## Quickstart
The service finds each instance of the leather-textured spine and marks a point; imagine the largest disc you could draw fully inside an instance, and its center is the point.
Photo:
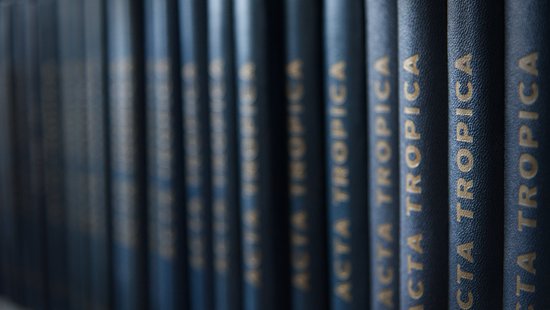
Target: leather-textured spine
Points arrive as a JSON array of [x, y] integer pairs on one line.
[[196, 136], [259, 65], [98, 181], [304, 99], [383, 141], [226, 242], [423, 153], [475, 55], [165, 165], [527, 155], [127, 148], [346, 151]]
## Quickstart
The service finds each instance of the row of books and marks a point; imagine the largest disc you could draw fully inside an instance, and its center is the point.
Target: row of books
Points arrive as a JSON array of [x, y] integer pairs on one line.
[[257, 154]]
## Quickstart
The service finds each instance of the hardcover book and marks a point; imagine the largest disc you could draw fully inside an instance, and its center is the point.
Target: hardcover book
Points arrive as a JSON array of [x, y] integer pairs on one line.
[[527, 155], [346, 152], [165, 213], [226, 242], [127, 153], [423, 182], [196, 137], [383, 127], [475, 56], [304, 99]]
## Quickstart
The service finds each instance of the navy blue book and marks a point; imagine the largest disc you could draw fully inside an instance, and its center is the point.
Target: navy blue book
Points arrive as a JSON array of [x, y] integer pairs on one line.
[[56, 247], [383, 128], [527, 155], [259, 54], [7, 156], [306, 180], [475, 56], [35, 295], [22, 157], [196, 139], [346, 150], [99, 230], [226, 243], [422, 42], [165, 215], [73, 110], [127, 153]]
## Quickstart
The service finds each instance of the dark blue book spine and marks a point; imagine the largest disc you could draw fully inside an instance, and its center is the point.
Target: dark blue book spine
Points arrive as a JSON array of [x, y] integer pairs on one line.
[[346, 149], [527, 155], [98, 183], [226, 243], [194, 76], [383, 128], [7, 154], [304, 99], [423, 154], [262, 153], [71, 53], [166, 217], [22, 158], [475, 50], [56, 246], [35, 220], [127, 148]]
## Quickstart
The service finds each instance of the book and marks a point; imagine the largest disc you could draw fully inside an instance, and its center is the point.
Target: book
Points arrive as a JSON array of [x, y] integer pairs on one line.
[[99, 229], [259, 54], [73, 110], [7, 171], [475, 56], [526, 169], [49, 75], [127, 153], [305, 140], [423, 157], [35, 286], [21, 159], [383, 142], [226, 242], [165, 178], [196, 134], [346, 149]]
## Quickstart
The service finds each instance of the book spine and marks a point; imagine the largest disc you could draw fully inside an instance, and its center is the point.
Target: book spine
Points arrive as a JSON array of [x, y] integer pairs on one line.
[[346, 150], [35, 219], [56, 246], [262, 153], [527, 155], [423, 155], [71, 51], [21, 160], [304, 99], [224, 161], [475, 155], [127, 146], [98, 185], [197, 155], [383, 141], [7, 154], [167, 256]]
